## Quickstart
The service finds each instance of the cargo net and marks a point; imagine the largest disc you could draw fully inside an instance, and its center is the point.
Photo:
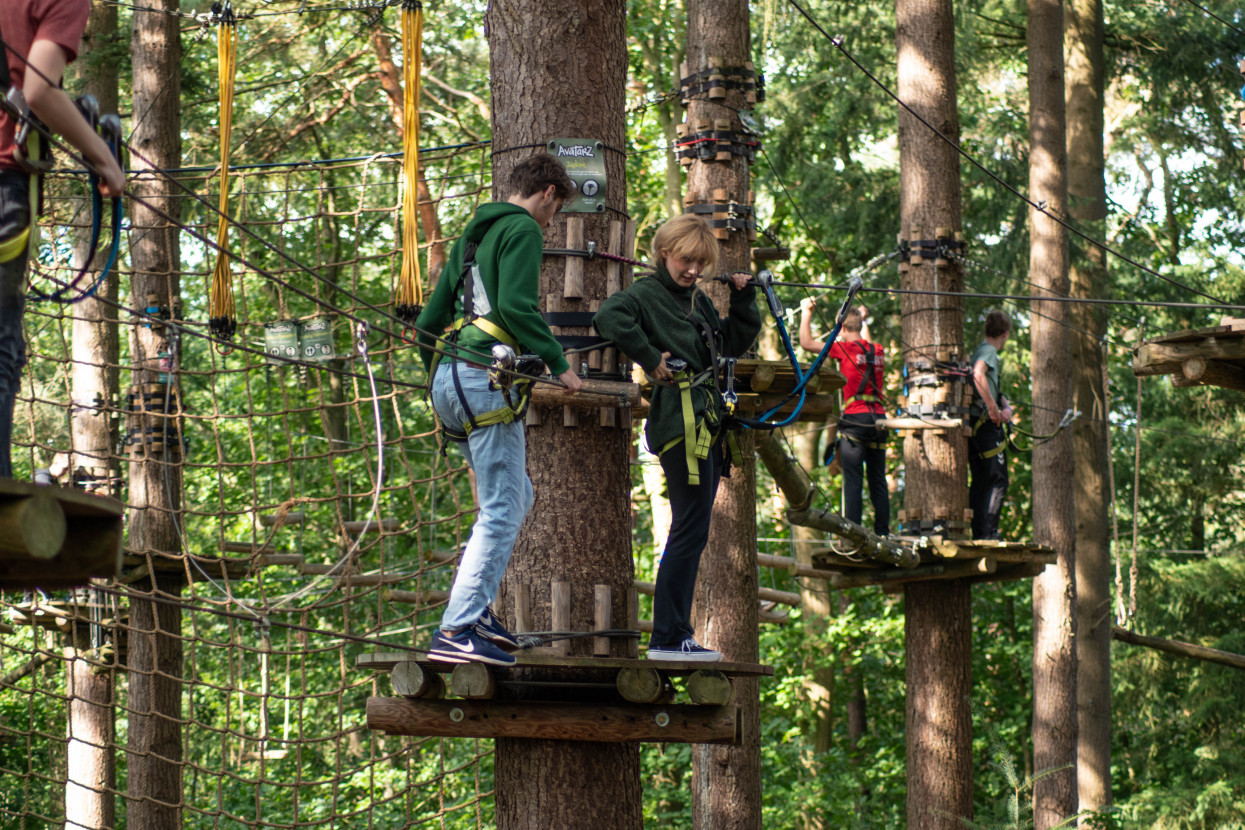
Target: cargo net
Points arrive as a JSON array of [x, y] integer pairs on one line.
[[282, 518]]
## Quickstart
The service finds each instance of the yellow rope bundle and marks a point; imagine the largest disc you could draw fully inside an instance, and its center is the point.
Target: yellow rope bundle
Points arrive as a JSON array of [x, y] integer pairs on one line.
[[222, 311], [410, 293]]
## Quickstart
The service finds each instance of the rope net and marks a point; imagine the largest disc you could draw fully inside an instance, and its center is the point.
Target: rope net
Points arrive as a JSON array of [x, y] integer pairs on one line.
[[316, 516]]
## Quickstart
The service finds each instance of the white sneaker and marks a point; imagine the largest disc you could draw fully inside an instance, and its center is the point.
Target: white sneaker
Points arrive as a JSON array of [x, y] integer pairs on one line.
[[689, 649]]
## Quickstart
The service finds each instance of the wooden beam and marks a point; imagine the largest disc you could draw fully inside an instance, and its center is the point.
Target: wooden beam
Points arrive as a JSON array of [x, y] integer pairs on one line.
[[1198, 371], [1210, 348], [624, 723], [1210, 655], [919, 423], [386, 660], [923, 573], [595, 393]]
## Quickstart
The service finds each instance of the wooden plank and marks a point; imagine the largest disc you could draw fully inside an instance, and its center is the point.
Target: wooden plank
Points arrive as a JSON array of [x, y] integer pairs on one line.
[[573, 278], [624, 723], [602, 605], [921, 573], [560, 615], [385, 660], [919, 423]]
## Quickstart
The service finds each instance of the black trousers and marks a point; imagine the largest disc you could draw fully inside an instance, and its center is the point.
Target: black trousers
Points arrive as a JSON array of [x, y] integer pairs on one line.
[[691, 510], [857, 460], [14, 217], [989, 480]]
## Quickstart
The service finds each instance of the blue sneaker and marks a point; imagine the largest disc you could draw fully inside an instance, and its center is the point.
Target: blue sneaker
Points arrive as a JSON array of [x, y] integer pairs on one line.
[[490, 628], [689, 649], [466, 647]]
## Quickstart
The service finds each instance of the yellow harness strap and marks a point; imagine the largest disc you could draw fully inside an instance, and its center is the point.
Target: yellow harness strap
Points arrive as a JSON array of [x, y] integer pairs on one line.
[[697, 440], [28, 238], [1002, 444]]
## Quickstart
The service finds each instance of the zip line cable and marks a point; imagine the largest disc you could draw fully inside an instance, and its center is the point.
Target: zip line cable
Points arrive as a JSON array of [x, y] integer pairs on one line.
[[1209, 13], [837, 43]]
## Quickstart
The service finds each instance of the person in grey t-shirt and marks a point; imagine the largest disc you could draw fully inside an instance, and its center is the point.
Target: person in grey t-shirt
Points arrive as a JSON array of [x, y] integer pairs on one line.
[[987, 448]]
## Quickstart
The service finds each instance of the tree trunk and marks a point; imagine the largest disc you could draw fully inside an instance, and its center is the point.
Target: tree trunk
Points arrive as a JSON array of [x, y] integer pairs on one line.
[[568, 55], [91, 772], [726, 780], [938, 623], [1054, 591], [91, 778], [153, 783], [1087, 205], [96, 343]]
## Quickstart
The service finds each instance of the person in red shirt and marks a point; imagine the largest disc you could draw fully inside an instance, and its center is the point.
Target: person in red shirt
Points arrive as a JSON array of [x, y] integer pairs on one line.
[[40, 38], [862, 446]]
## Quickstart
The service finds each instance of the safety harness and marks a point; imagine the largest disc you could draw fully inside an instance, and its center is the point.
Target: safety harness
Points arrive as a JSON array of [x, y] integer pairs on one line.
[[1036, 440], [508, 372], [33, 154], [868, 381]]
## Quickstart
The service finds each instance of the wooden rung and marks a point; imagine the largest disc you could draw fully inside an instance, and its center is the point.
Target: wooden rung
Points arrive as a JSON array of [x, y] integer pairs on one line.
[[246, 547], [425, 597], [602, 606], [266, 560], [560, 613], [294, 517], [371, 526]]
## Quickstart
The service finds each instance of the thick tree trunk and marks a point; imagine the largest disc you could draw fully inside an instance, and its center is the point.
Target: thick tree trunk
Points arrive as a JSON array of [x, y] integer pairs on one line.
[[726, 781], [568, 56], [1054, 591], [1087, 205], [91, 778], [153, 785], [938, 621], [96, 343]]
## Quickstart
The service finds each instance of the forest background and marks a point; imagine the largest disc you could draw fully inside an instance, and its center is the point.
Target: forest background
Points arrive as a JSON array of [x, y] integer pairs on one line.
[[312, 86]]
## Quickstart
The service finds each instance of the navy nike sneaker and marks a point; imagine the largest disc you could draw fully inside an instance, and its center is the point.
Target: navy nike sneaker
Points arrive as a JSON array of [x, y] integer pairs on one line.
[[466, 647], [490, 628]]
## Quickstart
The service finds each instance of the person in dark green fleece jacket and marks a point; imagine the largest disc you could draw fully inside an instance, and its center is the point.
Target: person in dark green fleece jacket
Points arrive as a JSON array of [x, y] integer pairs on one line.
[[509, 241], [667, 316]]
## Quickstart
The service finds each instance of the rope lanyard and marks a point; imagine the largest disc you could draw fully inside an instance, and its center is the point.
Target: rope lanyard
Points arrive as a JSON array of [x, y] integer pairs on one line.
[[410, 294], [222, 310]]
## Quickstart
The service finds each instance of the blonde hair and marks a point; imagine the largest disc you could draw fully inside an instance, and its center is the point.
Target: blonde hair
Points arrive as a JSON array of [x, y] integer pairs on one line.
[[687, 236]]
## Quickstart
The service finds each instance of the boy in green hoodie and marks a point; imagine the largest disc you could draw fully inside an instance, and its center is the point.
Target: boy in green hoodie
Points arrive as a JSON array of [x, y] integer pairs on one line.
[[508, 242]]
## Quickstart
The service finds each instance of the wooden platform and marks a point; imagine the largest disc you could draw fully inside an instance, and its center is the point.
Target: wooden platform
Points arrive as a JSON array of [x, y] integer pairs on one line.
[[56, 537], [976, 561], [552, 697], [761, 384], [1212, 356]]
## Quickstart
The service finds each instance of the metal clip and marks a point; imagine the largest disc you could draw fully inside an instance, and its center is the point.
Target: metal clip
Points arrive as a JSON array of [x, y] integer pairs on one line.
[[728, 395], [360, 337], [501, 370]]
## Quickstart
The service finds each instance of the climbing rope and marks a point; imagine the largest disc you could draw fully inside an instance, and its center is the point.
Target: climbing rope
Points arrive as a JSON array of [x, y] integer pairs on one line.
[[222, 309], [410, 297]]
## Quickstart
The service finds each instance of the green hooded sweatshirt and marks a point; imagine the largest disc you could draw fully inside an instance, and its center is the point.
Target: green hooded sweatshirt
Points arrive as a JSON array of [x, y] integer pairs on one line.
[[510, 243], [655, 315]]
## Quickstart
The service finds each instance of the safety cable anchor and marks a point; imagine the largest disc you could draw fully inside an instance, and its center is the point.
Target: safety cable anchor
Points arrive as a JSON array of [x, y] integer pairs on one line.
[[361, 330]]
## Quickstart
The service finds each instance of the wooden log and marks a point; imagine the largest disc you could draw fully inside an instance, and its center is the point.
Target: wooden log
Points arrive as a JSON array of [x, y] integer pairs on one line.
[[560, 613], [1180, 649], [413, 680], [555, 721], [710, 688], [602, 604], [371, 526], [922, 573], [1198, 371], [919, 423], [474, 681], [425, 597], [763, 378], [641, 685], [246, 547], [783, 597], [594, 393], [1208, 348], [573, 276], [31, 527], [267, 560], [294, 517]]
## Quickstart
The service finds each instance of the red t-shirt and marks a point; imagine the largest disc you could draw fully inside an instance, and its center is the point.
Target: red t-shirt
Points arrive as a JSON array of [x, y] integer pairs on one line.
[[22, 22], [851, 355]]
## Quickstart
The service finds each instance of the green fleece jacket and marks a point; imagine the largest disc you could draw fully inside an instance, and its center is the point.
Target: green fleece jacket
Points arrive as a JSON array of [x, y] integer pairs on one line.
[[655, 315], [510, 245]]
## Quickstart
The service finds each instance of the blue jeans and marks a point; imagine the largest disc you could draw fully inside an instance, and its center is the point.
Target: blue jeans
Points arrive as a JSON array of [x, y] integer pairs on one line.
[[14, 216], [498, 455]]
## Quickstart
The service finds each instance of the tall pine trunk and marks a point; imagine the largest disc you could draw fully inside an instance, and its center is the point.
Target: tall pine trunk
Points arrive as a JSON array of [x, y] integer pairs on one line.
[[1054, 591], [1087, 205], [937, 615], [726, 780], [154, 749], [558, 71]]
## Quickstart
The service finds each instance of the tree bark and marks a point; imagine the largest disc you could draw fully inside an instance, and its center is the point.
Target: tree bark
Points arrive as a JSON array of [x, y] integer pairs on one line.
[[726, 781], [938, 623], [153, 784], [1087, 205], [91, 773], [1054, 591], [569, 56]]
